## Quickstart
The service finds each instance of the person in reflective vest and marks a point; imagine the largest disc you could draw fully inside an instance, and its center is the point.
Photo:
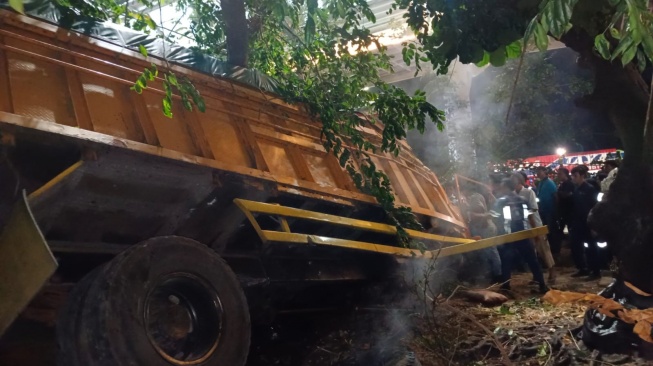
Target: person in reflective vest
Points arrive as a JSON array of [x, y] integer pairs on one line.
[[512, 214]]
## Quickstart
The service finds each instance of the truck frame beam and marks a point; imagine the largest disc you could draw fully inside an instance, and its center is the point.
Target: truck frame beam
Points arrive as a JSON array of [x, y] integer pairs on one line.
[[447, 245]]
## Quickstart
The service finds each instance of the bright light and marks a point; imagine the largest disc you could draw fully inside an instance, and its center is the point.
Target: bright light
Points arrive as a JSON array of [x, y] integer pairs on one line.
[[561, 151], [599, 197], [506, 213], [600, 245]]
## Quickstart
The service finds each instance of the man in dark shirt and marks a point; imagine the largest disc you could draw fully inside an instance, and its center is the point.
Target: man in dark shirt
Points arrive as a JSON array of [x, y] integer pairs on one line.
[[511, 212], [583, 199], [546, 193]]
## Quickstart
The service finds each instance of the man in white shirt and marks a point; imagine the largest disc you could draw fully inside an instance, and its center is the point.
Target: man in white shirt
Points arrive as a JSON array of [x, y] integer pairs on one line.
[[611, 167]]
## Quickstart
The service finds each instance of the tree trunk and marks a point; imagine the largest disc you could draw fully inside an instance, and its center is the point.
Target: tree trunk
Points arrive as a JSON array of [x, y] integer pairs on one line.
[[624, 218], [236, 31]]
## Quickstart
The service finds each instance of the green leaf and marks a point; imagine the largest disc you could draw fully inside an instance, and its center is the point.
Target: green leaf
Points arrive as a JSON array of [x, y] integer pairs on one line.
[[167, 106], [186, 102], [155, 71], [143, 50], [614, 32], [150, 22], [485, 60], [647, 45], [341, 8], [141, 82], [557, 14], [137, 88], [498, 57], [602, 46], [541, 38], [17, 5], [172, 78], [529, 31], [344, 157], [641, 61], [629, 55], [167, 88], [199, 102], [514, 49], [625, 44]]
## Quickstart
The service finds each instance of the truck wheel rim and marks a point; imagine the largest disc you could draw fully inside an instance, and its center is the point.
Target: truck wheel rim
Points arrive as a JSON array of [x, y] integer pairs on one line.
[[183, 318]]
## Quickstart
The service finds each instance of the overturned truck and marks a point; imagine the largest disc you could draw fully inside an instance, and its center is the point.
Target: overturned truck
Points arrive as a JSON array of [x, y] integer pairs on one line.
[[178, 232]]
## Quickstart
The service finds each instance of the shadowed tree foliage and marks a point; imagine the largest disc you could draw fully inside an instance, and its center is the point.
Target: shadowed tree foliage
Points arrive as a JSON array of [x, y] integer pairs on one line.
[[614, 40], [544, 114]]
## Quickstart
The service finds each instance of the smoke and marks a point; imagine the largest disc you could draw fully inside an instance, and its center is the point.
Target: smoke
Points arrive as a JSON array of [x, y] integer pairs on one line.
[[451, 151], [545, 114], [545, 110]]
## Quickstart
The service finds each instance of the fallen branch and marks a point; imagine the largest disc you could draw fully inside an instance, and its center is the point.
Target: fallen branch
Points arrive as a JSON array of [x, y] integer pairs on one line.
[[573, 339], [550, 352], [593, 360], [497, 343]]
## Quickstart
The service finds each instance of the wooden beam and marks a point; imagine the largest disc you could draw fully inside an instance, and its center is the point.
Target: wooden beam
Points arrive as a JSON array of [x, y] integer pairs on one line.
[[140, 105], [420, 190], [251, 143], [77, 96], [197, 133], [13, 122], [299, 163], [6, 104]]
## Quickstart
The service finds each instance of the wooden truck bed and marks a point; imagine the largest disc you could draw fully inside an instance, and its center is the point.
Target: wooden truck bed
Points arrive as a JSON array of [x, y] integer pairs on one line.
[[68, 85]]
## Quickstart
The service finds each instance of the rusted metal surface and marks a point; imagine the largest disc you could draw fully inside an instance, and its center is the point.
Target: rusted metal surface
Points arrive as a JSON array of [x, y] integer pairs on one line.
[[27, 263]]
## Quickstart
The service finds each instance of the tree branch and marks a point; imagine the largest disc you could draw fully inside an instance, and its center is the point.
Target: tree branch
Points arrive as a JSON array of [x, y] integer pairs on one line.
[[514, 85], [236, 31]]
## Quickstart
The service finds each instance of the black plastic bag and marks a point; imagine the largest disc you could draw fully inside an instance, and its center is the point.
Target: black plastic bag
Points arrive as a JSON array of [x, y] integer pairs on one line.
[[613, 335]]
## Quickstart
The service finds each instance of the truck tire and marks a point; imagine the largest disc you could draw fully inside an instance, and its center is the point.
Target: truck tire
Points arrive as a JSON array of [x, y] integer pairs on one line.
[[67, 322], [166, 301]]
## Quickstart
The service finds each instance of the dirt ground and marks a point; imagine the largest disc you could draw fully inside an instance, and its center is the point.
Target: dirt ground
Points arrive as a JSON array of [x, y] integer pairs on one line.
[[528, 331], [523, 331]]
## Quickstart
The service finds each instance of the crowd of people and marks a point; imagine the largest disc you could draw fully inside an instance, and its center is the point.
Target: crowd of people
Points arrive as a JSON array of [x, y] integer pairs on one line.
[[559, 199]]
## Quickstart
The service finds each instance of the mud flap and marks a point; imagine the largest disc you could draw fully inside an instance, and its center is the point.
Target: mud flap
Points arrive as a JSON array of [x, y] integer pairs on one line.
[[27, 263]]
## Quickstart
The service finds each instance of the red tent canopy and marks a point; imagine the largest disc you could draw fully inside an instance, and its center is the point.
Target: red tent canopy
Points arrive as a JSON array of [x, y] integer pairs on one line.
[[585, 157]]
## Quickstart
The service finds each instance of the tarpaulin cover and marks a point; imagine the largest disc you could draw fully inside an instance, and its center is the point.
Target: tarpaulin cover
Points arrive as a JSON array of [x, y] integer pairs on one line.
[[124, 37]]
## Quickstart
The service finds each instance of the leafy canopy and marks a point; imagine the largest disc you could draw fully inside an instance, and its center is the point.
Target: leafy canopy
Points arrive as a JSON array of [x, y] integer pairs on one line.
[[492, 31]]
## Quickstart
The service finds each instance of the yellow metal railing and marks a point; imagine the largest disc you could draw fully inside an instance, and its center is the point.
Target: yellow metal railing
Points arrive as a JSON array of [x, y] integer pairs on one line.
[[458, 245]]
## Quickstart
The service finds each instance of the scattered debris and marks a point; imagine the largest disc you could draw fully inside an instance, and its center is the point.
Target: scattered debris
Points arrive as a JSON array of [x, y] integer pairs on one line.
[[528, 330], [485, 297]]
